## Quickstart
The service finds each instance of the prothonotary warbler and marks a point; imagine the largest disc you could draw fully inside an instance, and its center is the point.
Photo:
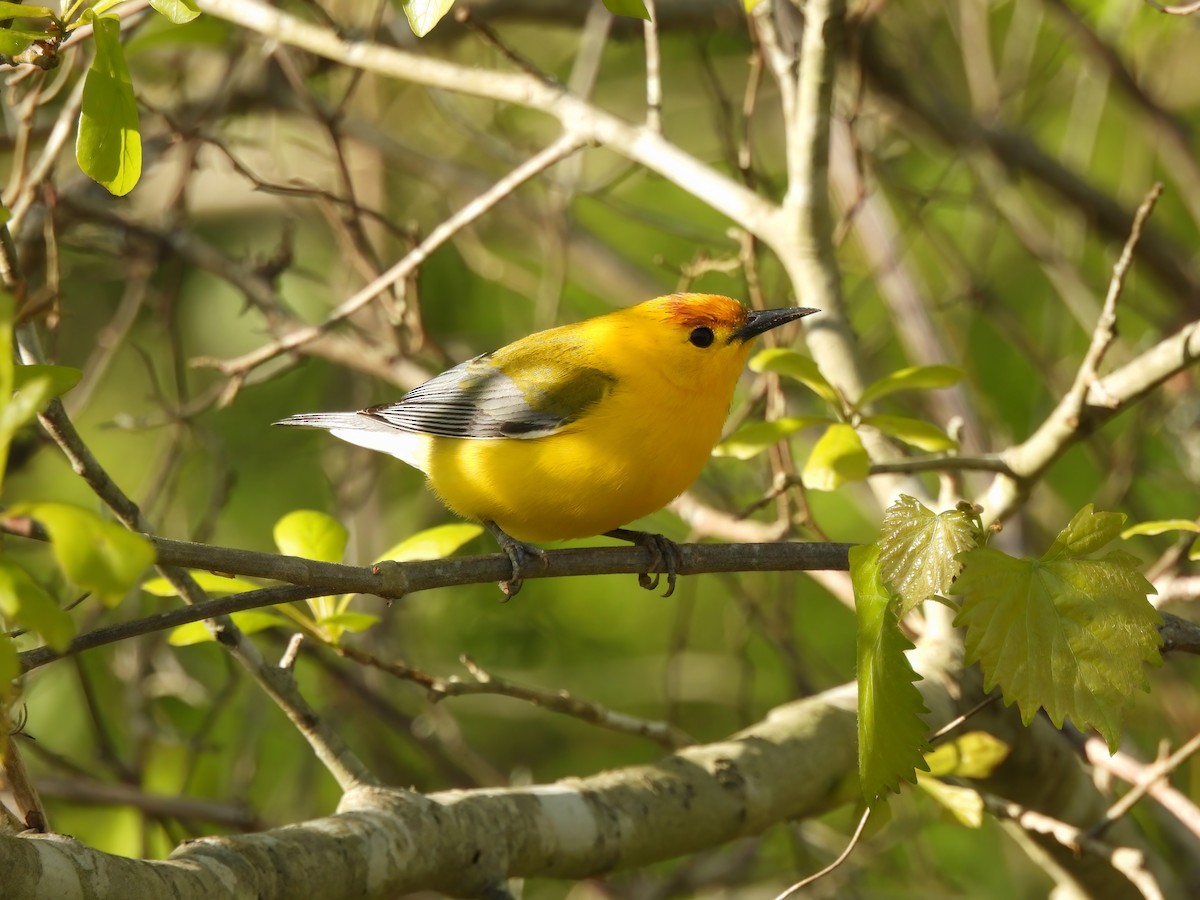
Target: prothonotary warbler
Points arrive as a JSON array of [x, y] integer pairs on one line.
[[574, 431]]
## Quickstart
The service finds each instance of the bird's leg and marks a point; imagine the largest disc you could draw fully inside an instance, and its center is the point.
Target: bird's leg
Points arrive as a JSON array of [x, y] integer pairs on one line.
[[666, 556], [519, 554]]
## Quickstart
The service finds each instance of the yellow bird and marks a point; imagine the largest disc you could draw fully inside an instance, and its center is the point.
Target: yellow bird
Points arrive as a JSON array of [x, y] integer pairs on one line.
[[574, 431]]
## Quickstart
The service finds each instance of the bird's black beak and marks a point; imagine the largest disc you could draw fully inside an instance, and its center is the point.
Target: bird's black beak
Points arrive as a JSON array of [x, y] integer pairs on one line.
[[760, 320]]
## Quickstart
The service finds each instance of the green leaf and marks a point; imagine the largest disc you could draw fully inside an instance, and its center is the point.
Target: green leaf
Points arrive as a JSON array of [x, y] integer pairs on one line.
[[20, 11], [750, 4], [634, 8], [891, 734], [975, 754], [22, 600], [26, 402], [109, 145], [796, 366], [10, 668], [350, 621], [424, 14], [311, 534], [1066, 634], [14, 42], [920, 434], [911, 379], [179, 12], [965, 804], [919, 549], [95, 555], [433, 543], [249, 621], [838, 457], [209, 582], [60, 378], [1086, 533], [752, 438], [1160, 526]]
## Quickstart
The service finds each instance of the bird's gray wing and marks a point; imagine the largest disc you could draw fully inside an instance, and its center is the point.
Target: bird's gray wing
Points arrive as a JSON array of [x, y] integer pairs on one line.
[[534, 396]]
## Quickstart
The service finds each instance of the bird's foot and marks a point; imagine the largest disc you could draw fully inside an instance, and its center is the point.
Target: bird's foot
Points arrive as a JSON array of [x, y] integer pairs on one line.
[[666, 557], [520, 554]]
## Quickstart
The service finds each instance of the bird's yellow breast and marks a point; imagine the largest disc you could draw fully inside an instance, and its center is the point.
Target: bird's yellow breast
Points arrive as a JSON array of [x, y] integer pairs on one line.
[[628, 456]]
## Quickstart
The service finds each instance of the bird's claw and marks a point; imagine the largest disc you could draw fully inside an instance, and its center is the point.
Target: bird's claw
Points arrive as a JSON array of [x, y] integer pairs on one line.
[[520, 555], [665, 558]]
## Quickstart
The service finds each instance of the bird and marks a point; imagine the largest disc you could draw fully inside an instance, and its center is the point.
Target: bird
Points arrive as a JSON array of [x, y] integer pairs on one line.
[[575, 431]]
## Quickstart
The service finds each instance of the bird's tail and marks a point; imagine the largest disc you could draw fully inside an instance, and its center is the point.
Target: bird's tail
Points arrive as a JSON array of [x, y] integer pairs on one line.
[[374, 434], [327, 420]]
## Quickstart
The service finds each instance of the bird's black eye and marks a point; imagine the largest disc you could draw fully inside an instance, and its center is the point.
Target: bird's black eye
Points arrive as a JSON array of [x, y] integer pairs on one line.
[[701, 337]]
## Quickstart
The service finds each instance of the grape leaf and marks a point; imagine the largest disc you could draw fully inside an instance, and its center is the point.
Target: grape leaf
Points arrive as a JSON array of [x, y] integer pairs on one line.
[[919, 549], [837, 457], [1087, 532], [1064, 633], [179, 12], [891, 734]]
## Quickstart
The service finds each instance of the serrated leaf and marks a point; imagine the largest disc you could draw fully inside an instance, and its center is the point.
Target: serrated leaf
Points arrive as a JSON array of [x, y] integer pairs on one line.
[[752, 438], [350, 620], [920, 434], [179, 12], [914, 378], [837, 457], [433, 543], [95, 555], [209, 582], [25, 602], [634, 8], [249, 621], [60, 378], [1086, 533], [10, 668], [964, 804], [919, 550], [796, 366], [975, 754], [891, 734], [108, 147], [424, 14], [312, 535], [1160, 526], [1065, 634]]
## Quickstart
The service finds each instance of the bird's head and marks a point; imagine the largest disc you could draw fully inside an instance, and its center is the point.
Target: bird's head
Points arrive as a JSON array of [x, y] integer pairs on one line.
[[703, 340]]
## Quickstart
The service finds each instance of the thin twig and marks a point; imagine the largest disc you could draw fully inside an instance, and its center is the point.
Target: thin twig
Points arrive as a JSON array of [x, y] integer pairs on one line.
[[562, 702], [1153, 774], [653, 71], [1178, 807], [238, 367], [1129, 861], [959, 720], [845, 854]]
